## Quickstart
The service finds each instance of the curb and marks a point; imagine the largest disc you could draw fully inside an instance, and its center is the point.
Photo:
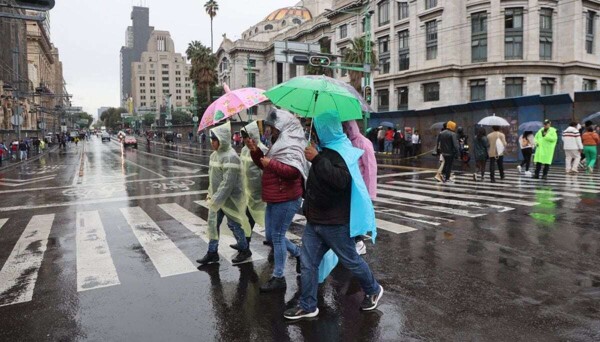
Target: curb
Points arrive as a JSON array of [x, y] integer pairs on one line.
[[22, 162]]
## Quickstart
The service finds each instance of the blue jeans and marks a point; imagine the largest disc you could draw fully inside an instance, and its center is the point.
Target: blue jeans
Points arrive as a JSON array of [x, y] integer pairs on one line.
[[278, 218], [388, 146], [236, 228], [316, 241]]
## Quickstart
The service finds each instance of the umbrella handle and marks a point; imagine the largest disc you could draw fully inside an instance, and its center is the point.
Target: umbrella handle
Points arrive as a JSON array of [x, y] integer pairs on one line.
[[313, 118]]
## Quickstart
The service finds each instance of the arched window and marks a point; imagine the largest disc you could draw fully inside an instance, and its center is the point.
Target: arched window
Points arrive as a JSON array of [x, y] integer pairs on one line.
[[256, 30], [268, 27], [296, 21], [283, 23]]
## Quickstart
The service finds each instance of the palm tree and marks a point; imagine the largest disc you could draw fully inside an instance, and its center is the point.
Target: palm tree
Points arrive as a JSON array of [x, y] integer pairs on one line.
[[204, 67], [211, 7], [356, 55]]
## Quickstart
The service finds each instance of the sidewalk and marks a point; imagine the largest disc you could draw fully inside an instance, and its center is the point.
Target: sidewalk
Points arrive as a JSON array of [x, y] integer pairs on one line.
[[9, 162]]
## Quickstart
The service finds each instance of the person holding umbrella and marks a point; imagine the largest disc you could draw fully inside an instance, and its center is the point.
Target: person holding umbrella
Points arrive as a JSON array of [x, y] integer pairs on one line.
[[545, 142], [497, 142], [448, 144]]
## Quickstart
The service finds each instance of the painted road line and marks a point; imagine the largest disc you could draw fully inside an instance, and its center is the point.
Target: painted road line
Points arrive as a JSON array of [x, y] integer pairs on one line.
[[166, 257], [95, 268], [14, 185], [298, 219], [469, 189], [400, 174], [2, 222], [19, 274], [454, 195], [199, 227], [415, 197], [144, 168], [173, 159], [520, 187], [551, 181], [403, 215], [103, 200], [532, 184], [560, 175], [445, 210], [393, 227]]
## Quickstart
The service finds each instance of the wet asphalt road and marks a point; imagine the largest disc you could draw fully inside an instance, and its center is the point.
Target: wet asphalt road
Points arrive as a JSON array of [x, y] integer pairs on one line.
[[98, 243]]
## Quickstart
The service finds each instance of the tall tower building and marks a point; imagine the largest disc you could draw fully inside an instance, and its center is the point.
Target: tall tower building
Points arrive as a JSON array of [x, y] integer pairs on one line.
[[136, 40]]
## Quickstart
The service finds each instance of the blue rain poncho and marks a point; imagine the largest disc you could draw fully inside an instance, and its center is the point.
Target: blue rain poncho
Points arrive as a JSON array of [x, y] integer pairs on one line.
[[362, 214]]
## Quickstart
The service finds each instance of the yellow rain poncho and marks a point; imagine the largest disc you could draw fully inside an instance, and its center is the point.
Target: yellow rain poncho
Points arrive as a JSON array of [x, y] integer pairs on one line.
[[252, 177], [225, 184]]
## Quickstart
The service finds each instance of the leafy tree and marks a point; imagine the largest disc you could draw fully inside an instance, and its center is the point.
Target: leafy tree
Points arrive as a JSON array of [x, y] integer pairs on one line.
[[112, 117], [149, 119], [211, 7], [204, 67], [181, 118], [356, 55]]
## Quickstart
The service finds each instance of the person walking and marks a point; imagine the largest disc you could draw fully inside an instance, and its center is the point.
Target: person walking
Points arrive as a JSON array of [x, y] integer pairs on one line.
[[336, 206], [225, 197], [398, 143], [526, 143], [408, 145], [367, 165], [449, 149], [573, 147], [22, 150], [416, 143], [590, 141], [389, 140], [481, 146], [284, 172], [381, 139], [498, 144], [438, 175], [3, 150], [545, 142]]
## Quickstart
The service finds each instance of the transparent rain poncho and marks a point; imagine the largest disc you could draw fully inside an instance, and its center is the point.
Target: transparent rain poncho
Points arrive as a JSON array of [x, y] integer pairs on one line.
[[252, 176], [225, 184]]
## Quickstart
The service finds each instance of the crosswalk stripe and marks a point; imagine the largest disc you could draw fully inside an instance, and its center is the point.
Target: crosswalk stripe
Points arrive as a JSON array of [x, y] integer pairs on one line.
[[561, 174], [559, 182], [421, 198], [524, 186], [2, 222], [464, 188], [19, 274], [393, 227], [404, 174], [453, 211], [95, 268], [199, 227], [451, 195], [166, 257], [421, 218]]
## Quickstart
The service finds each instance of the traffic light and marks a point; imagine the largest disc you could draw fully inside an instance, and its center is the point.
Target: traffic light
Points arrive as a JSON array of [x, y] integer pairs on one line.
[[368, 94], [300, 60], [36, 5], [319, 61]]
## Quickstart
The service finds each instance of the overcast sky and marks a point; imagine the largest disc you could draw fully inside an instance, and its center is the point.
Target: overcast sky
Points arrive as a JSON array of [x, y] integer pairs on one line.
[[89, 35]]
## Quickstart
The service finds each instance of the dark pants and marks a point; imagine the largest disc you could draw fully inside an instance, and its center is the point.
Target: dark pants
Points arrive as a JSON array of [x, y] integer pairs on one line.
[[538, 168], [527, 152], [381, 145], [500, 162], [408, 150], [250, 219], [448, 161], [481, 166]]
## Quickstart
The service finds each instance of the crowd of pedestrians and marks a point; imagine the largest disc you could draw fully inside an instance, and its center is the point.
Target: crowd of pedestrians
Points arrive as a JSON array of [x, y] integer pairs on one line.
[[387, 140]]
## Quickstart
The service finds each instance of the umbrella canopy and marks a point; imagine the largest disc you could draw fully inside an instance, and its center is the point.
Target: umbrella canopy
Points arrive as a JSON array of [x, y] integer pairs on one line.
[[364, 105], [532, 126], [493, 121], [309, 96], [231, 103], [438, 125], [594, 118], [387, 124]]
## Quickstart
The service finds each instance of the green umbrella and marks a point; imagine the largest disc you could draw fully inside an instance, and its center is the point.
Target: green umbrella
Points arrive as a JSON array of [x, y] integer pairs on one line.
[[309, 96]]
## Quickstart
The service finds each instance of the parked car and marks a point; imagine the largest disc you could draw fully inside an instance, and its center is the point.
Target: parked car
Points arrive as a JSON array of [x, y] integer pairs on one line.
[[130, 140], [105, 136]]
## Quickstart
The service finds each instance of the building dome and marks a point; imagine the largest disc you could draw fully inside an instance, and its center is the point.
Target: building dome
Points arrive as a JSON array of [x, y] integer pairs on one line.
[[282, 13]]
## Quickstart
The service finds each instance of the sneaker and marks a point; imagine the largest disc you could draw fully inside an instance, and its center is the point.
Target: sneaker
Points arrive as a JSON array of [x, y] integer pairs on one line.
[[590, 169], [361, 248], [237, 247], [528, 173], [370, 302], [209, 258], [299, 313], [438, 178], [274, 284], [242, 256], [298, 265], [519, 168], [267, 243]]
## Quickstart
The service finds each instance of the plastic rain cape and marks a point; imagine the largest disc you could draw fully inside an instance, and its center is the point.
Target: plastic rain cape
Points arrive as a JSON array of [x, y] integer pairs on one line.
[[289, 147], [225, 184], [362, 214], [252, 176]]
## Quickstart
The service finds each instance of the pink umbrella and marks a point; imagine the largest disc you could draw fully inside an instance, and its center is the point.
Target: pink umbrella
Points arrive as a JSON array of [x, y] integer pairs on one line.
[[233, 102]]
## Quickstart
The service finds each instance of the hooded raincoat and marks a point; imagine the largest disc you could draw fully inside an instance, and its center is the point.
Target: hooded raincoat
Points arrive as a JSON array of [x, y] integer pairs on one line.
[[252, 176], [367, 162], [289, 147], [225, 184], [362, 213], [545, 145]]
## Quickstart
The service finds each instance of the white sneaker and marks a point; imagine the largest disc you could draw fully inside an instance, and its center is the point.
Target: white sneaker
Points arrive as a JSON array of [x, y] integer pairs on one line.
[[528, 173], [519, 168], [361, 248]]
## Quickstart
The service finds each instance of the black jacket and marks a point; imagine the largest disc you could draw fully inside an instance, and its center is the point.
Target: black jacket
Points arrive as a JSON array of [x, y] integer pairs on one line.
[[448, 143], [328, 190]]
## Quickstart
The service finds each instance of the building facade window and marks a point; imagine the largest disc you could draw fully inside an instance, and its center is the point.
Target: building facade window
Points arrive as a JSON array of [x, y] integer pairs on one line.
[[344, 72], [479, 37], [547, 86], [403, 50], [513, 33], [343, 31], [177, 72], [165, 66], [589, 31], [383, 12], [589, 85], [384, 54], [165, 78], [430, 4], [142, 91], [546, 34], [152, 78], [513, 86], [403, 98], [477, 90], [432, 39], [383, 100], [165, 85], [431, 92], [142, 78], [403, 10], [142, 84], [252, 63], [252, 80], [165, 72]]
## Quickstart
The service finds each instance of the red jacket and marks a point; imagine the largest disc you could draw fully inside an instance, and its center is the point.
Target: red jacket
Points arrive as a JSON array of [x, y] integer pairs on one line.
[[280, 182]]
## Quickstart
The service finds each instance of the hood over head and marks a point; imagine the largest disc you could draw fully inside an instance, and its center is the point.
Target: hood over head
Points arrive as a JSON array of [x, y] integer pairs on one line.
[[223, 133], [329, 128], [289, 147], [352, 130], [252, 130]]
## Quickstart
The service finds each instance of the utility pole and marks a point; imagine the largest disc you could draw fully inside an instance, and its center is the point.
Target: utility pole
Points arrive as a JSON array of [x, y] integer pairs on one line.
[[196, 110], [368, 53], [248, 81], [17, 114]]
